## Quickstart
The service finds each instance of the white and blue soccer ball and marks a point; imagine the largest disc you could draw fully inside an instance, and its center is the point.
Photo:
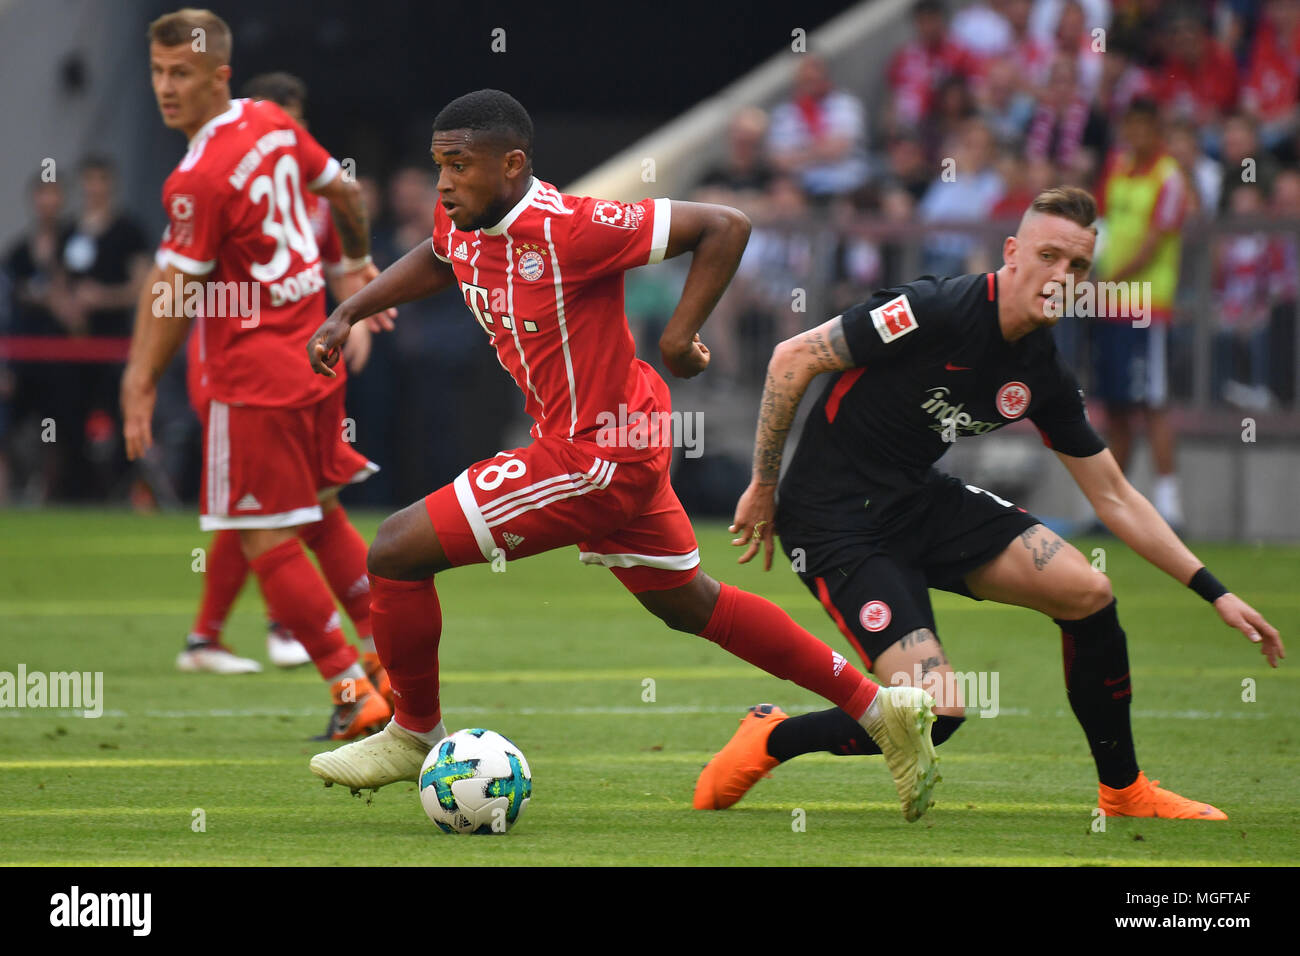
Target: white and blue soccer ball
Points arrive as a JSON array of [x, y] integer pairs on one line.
[[475, 781]]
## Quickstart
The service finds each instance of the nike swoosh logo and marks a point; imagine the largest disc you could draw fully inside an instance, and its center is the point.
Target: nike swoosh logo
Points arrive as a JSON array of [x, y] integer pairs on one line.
[[1112, 683], [957, 368]]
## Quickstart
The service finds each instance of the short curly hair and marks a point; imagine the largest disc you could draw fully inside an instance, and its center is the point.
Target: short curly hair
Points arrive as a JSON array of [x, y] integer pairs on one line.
[[491, 111]]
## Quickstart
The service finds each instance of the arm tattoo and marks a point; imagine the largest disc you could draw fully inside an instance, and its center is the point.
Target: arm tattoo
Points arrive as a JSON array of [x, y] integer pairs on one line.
[[828, 352], [350, 219], [776, 412], [840, 346], [824, 352]]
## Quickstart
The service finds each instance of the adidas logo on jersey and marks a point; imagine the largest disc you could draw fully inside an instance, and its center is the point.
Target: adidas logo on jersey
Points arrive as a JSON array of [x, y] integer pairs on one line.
[[462, 252], [512, 540], [248, 503]]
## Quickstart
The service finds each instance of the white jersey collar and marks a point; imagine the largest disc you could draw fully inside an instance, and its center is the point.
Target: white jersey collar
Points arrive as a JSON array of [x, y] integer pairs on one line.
[[221, 119], [533, 187]]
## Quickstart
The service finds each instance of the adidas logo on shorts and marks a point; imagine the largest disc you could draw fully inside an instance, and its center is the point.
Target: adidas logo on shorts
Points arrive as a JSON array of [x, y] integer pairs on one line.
[[512, 540]]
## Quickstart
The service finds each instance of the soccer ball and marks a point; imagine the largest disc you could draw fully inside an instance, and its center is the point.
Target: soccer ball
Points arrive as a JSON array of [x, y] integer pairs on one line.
[[475, 781]]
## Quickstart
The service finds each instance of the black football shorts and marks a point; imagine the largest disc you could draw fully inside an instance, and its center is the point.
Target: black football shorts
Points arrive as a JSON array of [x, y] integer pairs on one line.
[[876, 586]]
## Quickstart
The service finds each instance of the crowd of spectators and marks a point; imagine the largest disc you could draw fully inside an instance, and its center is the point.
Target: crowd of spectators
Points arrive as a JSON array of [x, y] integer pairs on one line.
[[985, 104], [75, 275], [988, 102]]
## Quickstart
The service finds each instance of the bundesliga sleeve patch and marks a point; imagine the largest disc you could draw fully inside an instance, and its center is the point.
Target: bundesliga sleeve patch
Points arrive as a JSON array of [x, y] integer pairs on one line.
[[617, 214], [894, 319]]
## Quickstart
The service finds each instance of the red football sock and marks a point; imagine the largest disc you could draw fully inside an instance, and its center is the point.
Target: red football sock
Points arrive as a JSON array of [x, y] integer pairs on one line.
[[408, 624], [299, 600], [227, 569], [341, 551], [756, 630]]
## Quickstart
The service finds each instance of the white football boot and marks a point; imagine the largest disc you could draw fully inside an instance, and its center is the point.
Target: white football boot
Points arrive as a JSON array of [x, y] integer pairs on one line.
[[215, 659], [283, 649], [899, 720], [391, 755]]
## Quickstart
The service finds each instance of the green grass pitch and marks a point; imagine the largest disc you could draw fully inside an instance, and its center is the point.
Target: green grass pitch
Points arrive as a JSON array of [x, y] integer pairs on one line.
[[556, 656]]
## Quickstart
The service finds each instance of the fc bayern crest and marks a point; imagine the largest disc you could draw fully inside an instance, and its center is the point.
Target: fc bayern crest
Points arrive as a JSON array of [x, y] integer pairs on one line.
[[1013, 399], [531, 265], [875, 616]]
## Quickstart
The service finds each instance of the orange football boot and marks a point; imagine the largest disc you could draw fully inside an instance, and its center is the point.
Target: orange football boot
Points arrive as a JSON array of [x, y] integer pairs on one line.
[[1145, 798], [378, 676], [739, 765], [359, 709]]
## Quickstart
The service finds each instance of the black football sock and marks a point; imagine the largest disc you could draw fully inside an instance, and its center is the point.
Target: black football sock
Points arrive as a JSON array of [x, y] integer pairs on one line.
[[1095, 654], [835, 731], [832, 730]]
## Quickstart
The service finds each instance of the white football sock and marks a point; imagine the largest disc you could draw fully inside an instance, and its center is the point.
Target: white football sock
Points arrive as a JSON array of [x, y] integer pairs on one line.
[[873, 709], [429, 738], [355, 672]]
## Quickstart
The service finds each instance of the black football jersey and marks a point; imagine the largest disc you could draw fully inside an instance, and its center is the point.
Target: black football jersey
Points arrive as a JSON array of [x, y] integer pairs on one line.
[[932, 368]]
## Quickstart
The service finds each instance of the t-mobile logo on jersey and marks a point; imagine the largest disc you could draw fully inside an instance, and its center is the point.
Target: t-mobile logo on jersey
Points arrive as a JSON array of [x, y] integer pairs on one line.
[[624, 429]]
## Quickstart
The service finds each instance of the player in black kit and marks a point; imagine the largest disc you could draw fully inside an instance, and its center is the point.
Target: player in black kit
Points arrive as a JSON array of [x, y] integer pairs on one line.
[[870, 525]]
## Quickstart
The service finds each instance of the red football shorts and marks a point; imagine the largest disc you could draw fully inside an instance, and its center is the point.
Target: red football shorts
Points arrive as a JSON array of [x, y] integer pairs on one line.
[[623, 515], [269, 467]]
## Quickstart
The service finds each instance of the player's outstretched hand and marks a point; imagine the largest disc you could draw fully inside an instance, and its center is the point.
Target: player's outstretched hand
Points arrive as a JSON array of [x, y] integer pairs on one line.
[[753, 523], [1237, 613], [685, 361], [138, 397], [327, 344]]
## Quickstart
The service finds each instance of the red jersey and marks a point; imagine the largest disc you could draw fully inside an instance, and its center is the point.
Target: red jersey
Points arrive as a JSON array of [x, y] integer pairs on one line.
[[915, 73], [546, 285], [331, 253], [1273, 74], [1197, 91], [238, 219]]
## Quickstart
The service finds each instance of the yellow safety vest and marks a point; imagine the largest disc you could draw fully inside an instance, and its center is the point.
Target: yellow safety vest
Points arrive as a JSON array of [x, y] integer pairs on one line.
[[1130, 203]]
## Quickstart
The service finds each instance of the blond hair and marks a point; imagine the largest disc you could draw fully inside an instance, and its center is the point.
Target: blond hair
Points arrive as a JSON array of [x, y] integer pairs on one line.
[[1065, 202], [203, 30]]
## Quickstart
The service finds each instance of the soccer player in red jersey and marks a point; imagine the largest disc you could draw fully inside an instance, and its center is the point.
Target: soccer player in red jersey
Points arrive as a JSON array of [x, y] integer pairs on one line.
[[240, 249], [542, 273], [227, 568]]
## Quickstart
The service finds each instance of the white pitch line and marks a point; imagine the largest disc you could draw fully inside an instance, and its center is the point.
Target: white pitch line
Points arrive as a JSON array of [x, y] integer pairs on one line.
[[643, 710]]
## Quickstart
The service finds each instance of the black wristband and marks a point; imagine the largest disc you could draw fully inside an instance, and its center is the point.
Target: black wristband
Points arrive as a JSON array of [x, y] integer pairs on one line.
[[1207, 585]]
